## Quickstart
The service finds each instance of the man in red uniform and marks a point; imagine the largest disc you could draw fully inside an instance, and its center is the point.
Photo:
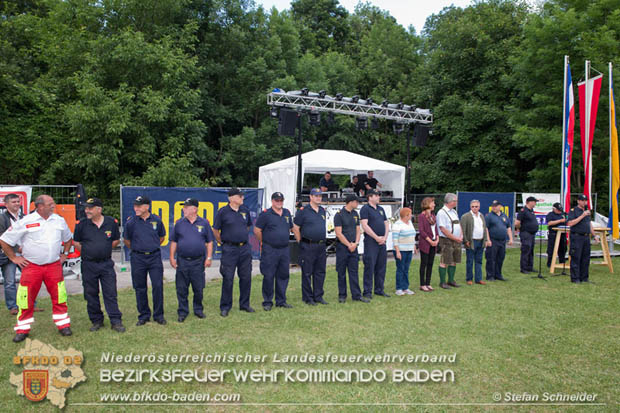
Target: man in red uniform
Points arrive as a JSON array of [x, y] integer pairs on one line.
[[41, 235]]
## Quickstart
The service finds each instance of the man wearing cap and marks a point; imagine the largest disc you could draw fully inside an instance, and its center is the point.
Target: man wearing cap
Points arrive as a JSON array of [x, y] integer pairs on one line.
[[273, 229], [95, 237], [376, 228], [581, 228], [556, 218], [40, 234], [310, 233], [498, 225], [231, 227], [144, 233], [528, 224], [348, 232], [191, 250]]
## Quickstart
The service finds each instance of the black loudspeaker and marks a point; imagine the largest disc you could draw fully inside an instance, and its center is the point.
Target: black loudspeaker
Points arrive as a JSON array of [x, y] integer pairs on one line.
[[420, 135], [287, 123]]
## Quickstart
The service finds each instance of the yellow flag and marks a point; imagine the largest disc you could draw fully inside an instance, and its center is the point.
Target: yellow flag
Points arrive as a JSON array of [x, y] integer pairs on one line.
[[615, 168]]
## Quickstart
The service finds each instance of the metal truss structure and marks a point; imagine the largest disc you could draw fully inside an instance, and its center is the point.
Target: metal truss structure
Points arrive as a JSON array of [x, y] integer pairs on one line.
[[305, 101]]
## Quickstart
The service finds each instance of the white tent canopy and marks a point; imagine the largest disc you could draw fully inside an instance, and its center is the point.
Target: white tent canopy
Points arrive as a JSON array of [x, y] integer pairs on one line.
[[281, 176]]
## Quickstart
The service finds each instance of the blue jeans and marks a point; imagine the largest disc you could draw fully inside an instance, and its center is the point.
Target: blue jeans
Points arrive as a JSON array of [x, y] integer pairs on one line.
[[10, 290], [402, 269], [475, 255]]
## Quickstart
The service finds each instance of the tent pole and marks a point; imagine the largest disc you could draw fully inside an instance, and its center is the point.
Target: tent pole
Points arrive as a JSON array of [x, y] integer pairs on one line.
[[299, 143]]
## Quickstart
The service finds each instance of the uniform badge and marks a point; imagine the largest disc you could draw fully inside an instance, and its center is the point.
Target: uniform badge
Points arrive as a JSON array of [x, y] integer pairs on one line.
[[108, 234], [200, 227], [503, 219], [356, 218], [35, 384], [286, 218], [243, 214], [154, 224], [323, 216]]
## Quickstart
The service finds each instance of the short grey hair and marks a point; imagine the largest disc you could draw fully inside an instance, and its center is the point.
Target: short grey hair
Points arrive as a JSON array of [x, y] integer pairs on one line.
[[40, 200], [449, 198], [474, 201]]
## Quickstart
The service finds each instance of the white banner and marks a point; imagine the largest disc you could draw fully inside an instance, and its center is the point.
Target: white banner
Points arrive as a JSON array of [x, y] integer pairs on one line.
[[542, 208], [24, 193]]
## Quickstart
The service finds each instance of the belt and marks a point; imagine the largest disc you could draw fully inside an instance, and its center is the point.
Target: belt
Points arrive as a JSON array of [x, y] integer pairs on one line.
[[236, 244], [97, 259], [145, 252], [309, 241], [192, 258], [585, 234]]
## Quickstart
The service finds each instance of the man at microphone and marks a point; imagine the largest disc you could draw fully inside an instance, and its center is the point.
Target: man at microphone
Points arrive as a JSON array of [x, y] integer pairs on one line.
[[580, 229], [556, 218]]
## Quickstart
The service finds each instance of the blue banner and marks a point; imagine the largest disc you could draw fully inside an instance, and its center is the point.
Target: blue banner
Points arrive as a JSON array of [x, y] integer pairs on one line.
[[486, 199], [166, 203]]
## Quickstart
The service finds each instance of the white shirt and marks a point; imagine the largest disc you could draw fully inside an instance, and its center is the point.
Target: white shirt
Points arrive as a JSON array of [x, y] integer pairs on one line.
[[41, 239], [445, 217], [478, 229]]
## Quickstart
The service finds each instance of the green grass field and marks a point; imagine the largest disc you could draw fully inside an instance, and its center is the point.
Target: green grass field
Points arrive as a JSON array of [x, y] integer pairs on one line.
[[521, 336]]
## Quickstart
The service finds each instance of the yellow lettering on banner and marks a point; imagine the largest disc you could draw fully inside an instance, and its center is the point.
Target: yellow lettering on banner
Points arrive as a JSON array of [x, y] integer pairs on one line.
[[162, 210], [205, 210], [178, 209]]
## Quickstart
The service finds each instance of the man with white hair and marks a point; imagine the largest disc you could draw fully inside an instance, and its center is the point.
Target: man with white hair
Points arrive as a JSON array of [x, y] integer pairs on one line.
[[450, 239], [41, 235]]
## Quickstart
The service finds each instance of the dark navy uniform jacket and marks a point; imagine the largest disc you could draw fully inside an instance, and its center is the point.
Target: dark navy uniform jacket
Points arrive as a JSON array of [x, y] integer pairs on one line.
[[144, 234], [96, 241], [529, 223], [349, 221], [552, 216], [232, 224], [583, 227], [497, 225], [276, 228], [376, 218], [191, 238], [312, 223]]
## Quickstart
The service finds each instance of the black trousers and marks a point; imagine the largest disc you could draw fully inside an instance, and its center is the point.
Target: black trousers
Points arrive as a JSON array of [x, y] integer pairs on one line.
[[426, 266], [237, 258], [579, 257], [527, 251], [93, 274], [347, 260]]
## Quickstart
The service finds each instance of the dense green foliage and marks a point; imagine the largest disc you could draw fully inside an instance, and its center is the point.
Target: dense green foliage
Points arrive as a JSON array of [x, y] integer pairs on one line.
[[172, 92]]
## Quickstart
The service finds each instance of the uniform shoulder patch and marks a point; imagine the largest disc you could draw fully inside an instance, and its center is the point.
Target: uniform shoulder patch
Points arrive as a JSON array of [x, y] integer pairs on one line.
[[128, 218]]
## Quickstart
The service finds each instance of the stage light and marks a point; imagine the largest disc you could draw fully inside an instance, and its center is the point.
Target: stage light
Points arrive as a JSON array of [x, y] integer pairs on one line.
[[385, 104], [339, 96], [355, 99], [304, 91], [275, 112], [400, 105], [399, 127], [369, 101], [322, 94], [362, 123], [314, 118]]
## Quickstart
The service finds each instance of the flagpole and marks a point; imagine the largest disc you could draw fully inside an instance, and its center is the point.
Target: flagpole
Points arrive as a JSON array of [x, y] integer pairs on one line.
[[610, 217], [587, 140], [563, 157]]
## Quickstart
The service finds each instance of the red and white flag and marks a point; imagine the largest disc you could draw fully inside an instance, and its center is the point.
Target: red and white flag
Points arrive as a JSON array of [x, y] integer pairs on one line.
[[589, 92]]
